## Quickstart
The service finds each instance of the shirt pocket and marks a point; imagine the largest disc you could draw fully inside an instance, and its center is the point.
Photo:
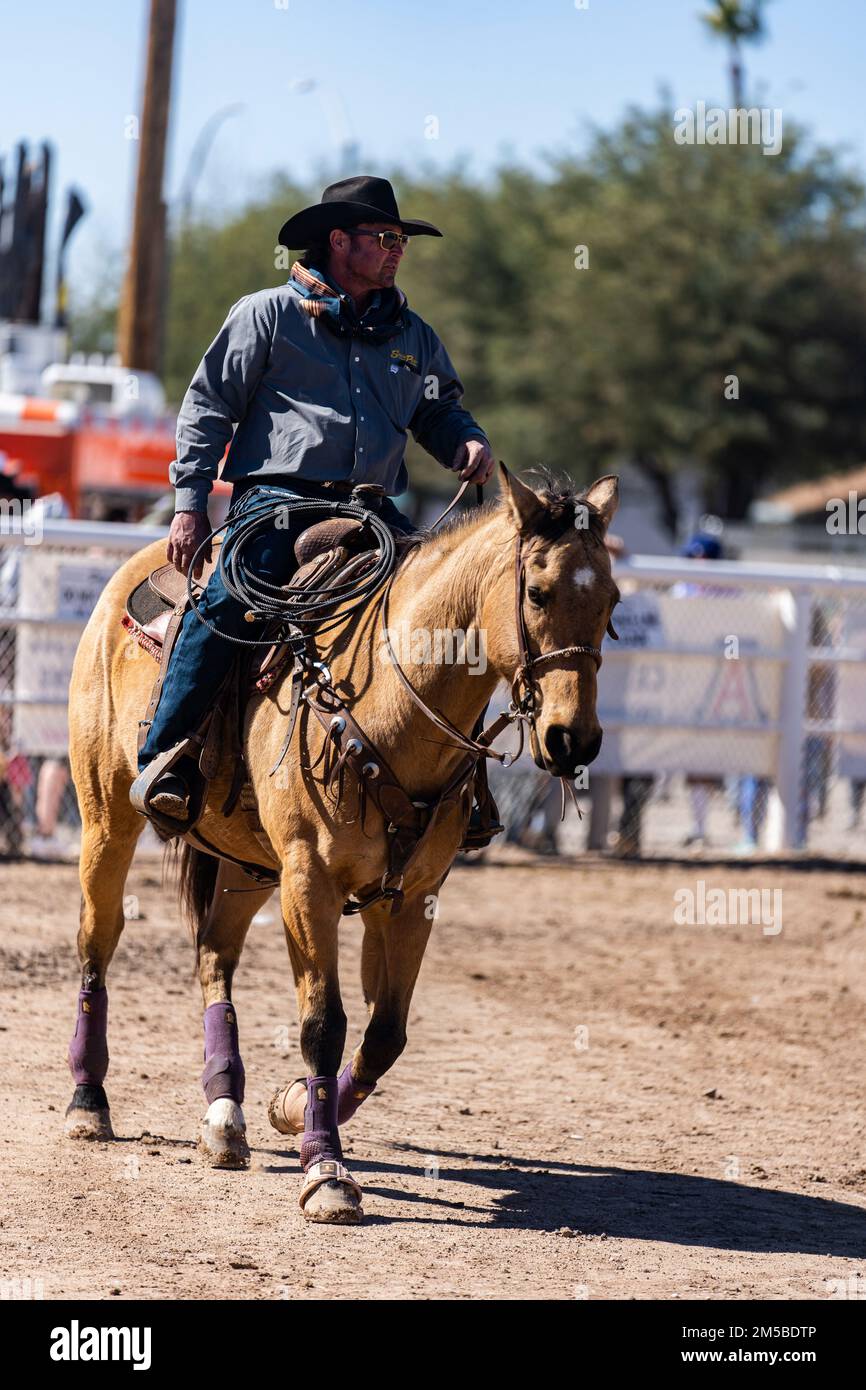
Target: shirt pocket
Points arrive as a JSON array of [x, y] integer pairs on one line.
[[403, 388]]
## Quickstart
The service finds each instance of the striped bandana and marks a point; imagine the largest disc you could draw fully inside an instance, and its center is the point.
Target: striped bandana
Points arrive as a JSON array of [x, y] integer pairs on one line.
[[323, 300]]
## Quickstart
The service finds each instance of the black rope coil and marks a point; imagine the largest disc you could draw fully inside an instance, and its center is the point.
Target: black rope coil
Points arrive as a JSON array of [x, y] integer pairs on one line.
[[296, 608]]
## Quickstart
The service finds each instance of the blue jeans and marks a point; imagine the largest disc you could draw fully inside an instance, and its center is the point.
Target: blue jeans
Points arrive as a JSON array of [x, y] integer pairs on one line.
[[201, 659]]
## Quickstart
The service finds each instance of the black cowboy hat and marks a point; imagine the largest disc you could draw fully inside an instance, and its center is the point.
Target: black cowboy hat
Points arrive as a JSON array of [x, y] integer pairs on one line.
[[359, 199]]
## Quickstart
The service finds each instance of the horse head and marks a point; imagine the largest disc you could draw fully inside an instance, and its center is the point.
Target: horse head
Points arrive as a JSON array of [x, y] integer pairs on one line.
[[566, 596]]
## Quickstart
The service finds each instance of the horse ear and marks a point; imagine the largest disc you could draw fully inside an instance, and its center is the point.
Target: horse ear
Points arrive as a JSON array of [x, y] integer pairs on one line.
[[604, 496], [523, 504]]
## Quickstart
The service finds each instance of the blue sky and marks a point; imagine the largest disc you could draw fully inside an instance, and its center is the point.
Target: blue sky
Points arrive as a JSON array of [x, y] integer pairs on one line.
[[504, 79]]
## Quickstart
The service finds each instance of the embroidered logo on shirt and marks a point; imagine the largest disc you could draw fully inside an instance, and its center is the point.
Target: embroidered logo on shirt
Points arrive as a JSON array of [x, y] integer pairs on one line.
[[405, 358]]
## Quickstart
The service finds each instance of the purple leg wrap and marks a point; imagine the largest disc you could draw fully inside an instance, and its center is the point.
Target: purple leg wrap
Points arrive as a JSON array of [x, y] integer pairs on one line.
[[88, 1050], [321, 1135], [223, 1075], [351, 1094]]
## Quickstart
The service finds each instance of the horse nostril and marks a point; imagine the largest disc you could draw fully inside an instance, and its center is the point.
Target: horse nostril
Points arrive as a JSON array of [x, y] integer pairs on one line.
[[559, 744], [566, 751]]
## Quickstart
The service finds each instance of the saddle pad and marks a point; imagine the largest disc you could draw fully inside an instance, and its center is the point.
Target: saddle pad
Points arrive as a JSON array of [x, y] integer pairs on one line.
[[144, 603]]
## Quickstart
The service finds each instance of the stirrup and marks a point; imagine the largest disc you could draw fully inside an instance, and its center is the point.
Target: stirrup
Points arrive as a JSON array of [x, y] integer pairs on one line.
[[479, 832], [168, 827]]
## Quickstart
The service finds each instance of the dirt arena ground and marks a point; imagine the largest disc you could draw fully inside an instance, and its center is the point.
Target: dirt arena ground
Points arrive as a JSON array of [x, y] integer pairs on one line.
[[594, 1103]]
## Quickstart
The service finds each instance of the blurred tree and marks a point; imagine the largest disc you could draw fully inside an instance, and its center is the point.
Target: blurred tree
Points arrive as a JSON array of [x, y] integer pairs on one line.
[[737, 22], [92, 315], [722, 317]]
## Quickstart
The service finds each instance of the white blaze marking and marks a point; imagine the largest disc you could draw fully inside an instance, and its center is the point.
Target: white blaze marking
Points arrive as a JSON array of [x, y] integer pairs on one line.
[[582, 579]]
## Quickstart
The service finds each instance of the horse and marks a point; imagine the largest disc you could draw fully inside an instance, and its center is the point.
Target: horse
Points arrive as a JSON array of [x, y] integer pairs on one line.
[[552, 610]]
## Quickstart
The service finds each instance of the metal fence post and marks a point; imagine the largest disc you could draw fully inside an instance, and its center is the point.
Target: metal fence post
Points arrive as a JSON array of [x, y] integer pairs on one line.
[[796, 616]]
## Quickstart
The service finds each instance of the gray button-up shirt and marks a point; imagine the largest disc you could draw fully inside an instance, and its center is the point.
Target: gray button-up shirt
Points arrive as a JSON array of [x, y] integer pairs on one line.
[[311, 403]]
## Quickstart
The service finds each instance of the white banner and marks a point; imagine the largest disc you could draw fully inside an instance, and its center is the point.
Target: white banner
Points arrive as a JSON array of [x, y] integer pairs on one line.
[[696, 700], [50, 586]]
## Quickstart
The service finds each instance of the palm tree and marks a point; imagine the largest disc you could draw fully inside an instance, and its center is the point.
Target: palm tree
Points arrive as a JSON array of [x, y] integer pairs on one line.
[[737, 21]]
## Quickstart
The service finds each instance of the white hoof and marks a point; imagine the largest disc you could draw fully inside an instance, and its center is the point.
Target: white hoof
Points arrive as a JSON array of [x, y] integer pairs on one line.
[[222, 1140]]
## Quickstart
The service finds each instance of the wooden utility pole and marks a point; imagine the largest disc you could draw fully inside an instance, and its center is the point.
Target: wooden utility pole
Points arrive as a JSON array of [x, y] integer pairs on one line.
[[140, 325]]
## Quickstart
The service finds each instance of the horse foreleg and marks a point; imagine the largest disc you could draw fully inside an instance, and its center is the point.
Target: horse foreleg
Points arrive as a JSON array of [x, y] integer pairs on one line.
[[220, 939], [391, 955], [390, 961], [311, 913]]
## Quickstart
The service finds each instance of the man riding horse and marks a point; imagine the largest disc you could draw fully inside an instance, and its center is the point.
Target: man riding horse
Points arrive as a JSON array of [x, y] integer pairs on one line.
[[323, 376]]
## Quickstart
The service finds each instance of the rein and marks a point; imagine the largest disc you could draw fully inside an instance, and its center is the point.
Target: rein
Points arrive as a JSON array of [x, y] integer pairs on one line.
[[523, 703], [408, 822]]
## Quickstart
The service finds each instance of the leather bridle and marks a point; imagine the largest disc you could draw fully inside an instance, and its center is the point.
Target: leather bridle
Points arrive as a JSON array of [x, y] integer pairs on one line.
[[523, 708]]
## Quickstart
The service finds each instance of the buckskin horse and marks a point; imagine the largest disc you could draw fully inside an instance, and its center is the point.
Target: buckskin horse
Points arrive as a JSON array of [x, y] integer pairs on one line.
[[529, 571]]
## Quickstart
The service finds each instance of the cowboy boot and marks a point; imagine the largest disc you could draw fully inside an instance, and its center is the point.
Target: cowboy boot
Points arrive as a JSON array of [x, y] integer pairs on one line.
[[171, 792], [170, 796]]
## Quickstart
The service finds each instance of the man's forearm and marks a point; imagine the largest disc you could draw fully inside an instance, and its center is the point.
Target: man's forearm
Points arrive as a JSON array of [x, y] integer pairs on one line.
[[444, 431], [204, 428]]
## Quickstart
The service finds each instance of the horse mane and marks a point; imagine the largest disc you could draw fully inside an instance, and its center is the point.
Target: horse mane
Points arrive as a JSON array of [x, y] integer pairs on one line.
[[560, 497]]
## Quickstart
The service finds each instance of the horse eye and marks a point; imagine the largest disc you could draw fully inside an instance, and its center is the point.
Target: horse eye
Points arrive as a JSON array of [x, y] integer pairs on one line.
[[537, 597]]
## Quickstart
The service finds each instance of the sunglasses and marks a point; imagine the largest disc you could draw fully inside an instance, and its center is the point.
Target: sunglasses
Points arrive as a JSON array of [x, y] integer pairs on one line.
[[387, 240]]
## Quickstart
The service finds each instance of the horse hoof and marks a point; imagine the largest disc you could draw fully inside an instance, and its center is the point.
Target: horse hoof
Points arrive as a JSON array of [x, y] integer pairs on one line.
[[222, 1141], [286, 1110], [334, 1203], [88, 1124], [334, 1199], [88, 1116]]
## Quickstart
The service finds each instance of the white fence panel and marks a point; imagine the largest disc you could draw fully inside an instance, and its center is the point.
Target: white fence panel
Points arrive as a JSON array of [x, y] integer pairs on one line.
[[726, 675]]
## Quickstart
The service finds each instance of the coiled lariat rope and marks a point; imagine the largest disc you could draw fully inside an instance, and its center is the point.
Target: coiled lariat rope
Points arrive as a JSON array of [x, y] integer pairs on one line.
[[300, 610]]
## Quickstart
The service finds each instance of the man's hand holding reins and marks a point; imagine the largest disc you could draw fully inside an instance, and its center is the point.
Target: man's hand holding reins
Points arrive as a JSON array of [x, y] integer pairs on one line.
[[474, 460], [188, 530]]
